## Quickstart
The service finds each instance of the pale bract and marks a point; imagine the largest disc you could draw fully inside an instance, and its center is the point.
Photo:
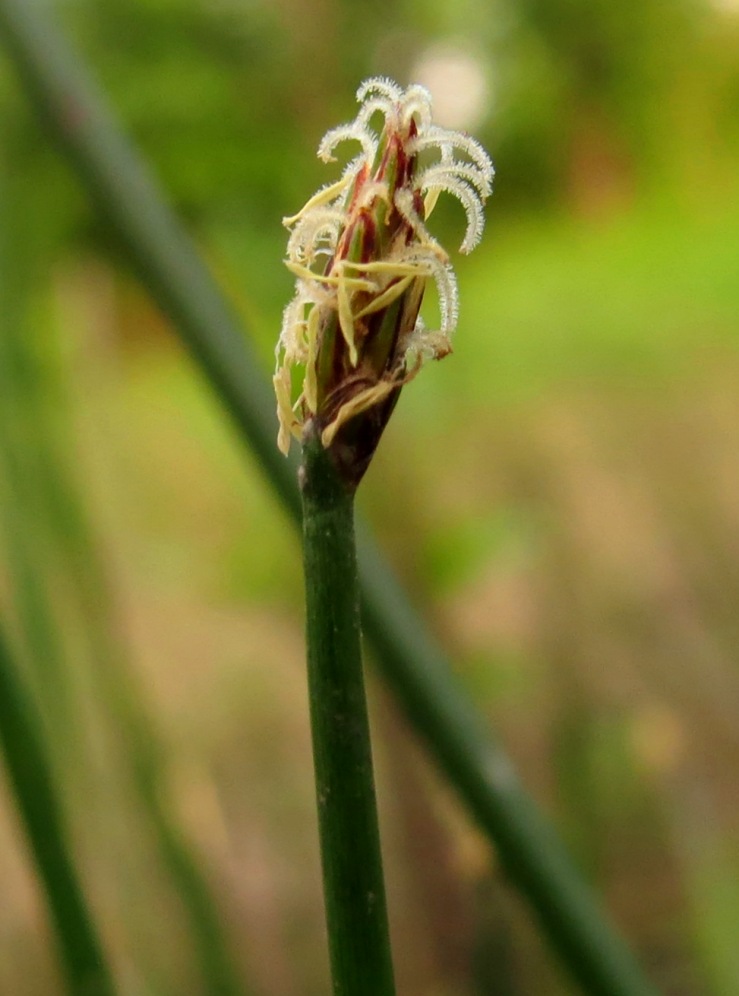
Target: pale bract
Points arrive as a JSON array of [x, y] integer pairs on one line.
[[362, 254]]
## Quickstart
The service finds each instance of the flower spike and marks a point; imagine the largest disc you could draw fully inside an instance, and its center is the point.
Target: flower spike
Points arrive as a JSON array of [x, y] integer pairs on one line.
[[362, 257]]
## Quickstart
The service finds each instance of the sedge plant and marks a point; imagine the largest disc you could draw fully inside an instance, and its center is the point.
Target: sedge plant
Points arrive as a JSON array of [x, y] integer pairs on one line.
[[362, 256], [120, 184]]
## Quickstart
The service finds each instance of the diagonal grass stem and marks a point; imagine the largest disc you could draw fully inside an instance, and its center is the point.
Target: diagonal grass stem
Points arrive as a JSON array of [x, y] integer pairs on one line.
[[30, 774]]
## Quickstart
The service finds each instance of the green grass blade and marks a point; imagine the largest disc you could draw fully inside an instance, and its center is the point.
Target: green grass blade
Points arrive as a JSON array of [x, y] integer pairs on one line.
[[164, 256], [534, 858], [29, 771], [45, 533], [119, 698], [169, 266]]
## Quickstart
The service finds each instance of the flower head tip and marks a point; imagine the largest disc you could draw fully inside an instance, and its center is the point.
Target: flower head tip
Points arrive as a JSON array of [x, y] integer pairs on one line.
[[362, 255]]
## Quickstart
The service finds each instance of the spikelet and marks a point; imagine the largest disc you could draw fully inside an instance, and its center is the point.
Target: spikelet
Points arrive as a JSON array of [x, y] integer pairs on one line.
[[362, 255]]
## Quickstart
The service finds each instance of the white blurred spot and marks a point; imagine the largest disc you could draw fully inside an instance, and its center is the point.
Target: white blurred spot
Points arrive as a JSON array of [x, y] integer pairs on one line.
[[726, 6], [458, 85]]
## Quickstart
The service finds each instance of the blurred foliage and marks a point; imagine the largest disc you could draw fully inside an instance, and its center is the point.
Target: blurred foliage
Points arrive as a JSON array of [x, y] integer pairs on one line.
[[567, 506]]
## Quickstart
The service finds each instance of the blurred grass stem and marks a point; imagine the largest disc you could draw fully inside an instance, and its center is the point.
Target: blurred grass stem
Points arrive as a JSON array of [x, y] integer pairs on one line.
[[48, 536], [30, 773], [354, 891], [411, 660]]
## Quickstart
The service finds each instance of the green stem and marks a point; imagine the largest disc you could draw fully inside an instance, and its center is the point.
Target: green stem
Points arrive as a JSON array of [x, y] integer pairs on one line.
[[530, 851], [354, 890], [44, 517], [31, 778]]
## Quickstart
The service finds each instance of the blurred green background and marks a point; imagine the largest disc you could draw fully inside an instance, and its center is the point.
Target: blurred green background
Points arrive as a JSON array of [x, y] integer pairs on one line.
[[560, 494]]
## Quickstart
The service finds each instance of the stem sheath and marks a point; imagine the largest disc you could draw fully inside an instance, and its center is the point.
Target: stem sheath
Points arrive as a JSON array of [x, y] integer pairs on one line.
[[354, 890]]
